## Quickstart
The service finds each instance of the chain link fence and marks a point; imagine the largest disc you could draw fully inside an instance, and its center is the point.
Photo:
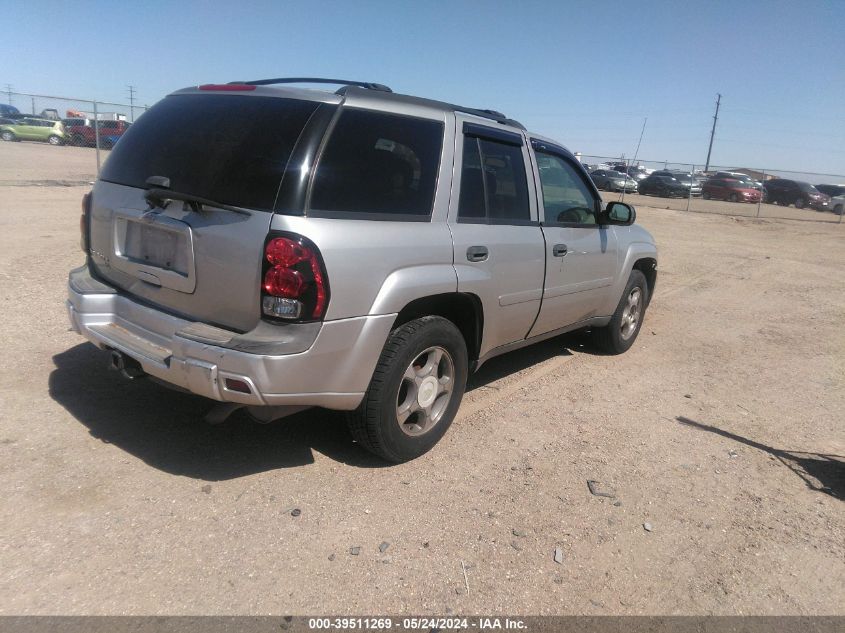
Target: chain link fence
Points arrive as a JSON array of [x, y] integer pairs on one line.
[[85, 123], [721, 189], [95, 126]]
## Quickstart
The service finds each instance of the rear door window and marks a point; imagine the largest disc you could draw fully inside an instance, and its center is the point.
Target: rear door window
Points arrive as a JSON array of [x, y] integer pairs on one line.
[[232, 149], [494, 187], [378, 166]]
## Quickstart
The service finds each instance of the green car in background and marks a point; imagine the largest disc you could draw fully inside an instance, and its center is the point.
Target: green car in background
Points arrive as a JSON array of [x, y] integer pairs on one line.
[[34, 129]]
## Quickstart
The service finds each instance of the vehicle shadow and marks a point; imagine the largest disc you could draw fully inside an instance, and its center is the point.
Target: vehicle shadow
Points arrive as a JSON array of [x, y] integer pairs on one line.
[[820, 472], [166, 430]]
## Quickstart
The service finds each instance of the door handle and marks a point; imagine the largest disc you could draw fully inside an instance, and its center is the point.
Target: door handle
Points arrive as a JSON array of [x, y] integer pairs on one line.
[[559, 250], [477, 253]]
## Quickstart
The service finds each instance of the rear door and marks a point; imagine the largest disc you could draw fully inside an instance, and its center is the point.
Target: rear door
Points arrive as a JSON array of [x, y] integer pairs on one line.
[[498, 245], [580, 253], [203, 264]]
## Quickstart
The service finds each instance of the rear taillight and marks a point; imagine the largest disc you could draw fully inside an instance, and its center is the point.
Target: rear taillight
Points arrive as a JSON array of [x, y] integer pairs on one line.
[[294, 285], [84, 222]]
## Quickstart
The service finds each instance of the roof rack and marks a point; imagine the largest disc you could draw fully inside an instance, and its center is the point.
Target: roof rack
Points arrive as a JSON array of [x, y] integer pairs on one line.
[[493, 115], [315, 80]]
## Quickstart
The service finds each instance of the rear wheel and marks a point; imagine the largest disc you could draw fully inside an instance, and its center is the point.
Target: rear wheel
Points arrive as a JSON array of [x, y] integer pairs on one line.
[[415, 391], [54, 140], [618, 335], [8, 136], [705, 195]]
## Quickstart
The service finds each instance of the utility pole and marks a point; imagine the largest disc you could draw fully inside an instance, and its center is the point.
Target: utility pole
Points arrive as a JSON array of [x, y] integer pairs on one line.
[[9, 92], [132, 102], [713, 131]]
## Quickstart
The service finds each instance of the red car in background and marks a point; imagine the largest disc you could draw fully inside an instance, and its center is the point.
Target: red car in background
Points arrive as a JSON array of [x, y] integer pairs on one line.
[[729, 189], [81, 131]]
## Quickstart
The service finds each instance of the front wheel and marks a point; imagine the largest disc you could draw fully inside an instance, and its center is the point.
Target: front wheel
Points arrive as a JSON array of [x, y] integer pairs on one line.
[[54, 140], [617, 336], [799, 203], [8, 136], [838, 209], [415, 391]]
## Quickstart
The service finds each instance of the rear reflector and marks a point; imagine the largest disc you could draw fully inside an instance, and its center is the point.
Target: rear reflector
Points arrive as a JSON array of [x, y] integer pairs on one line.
[[233, 384], [227, 87]]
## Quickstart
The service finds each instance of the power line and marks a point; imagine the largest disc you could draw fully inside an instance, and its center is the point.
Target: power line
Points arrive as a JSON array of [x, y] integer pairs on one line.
[[713, 131]]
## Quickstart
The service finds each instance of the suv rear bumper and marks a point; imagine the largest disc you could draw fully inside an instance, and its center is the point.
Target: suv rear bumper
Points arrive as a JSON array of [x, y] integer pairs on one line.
[[311, 364]]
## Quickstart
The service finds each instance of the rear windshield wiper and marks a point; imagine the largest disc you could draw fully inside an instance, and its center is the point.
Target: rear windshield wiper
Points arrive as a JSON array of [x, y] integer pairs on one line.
[[160, 197]]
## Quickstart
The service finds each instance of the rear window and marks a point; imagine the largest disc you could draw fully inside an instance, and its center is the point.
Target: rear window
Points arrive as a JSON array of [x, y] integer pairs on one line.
[[227, 148], [380, 165]]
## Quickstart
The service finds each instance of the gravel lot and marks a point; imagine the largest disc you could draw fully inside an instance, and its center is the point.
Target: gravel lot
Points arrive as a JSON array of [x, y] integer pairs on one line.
[[722, 429]]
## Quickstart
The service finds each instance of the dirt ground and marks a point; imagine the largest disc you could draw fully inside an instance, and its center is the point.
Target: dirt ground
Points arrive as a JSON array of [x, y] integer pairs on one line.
[[722, 429]]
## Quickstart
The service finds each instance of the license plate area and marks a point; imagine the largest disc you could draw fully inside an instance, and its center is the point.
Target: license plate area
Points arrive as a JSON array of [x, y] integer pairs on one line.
[[156, 249]]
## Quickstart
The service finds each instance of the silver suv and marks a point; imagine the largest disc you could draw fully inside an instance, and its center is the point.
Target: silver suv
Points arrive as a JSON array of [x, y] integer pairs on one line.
[[279, 248]]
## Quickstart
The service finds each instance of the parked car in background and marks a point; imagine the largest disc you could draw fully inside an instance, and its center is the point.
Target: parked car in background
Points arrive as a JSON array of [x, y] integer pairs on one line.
[[837, 197], [80, 131], [737, 175], [801, 194], [111, 131], [6, 110], [613, 180], [663, 186], [31, 129], [636, 172], [7, 121], [690, 183], [729, 189]]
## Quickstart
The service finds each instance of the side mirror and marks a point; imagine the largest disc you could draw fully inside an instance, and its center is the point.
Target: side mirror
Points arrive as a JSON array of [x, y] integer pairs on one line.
[[620, 213]]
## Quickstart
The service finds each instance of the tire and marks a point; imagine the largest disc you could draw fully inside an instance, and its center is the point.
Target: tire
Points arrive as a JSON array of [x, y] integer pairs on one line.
[[411, 349], [54, 140], [705, 195], [618, 336], [800, 203], [8, 136], [733, 198], [839, 209]]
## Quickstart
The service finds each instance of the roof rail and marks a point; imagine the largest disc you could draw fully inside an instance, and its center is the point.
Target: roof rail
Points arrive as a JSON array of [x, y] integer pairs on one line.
[[315, 80], [493, 115]]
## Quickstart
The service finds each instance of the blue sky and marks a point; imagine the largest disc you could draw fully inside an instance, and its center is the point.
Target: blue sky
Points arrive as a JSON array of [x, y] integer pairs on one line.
[[585, 73]]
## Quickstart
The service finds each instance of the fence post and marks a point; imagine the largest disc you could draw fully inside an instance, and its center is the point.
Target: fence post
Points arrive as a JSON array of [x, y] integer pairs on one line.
[[97, 136], [691, 180], [760, 202]]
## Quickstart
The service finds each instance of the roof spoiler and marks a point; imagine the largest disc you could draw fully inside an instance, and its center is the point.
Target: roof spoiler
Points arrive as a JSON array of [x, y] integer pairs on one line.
[[315, 80]]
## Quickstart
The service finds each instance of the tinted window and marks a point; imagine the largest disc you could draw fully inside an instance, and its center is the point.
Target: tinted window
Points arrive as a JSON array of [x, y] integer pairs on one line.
[[493, 182], [566, 197], [228, 148], [379, 163]]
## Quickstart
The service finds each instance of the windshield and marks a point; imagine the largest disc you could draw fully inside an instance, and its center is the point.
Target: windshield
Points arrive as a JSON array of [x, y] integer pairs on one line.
[[807, 187], [228, 148]]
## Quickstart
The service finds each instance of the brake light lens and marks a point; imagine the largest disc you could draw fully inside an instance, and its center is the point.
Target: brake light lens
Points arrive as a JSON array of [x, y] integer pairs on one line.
[[294, 282], [83, 223]]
